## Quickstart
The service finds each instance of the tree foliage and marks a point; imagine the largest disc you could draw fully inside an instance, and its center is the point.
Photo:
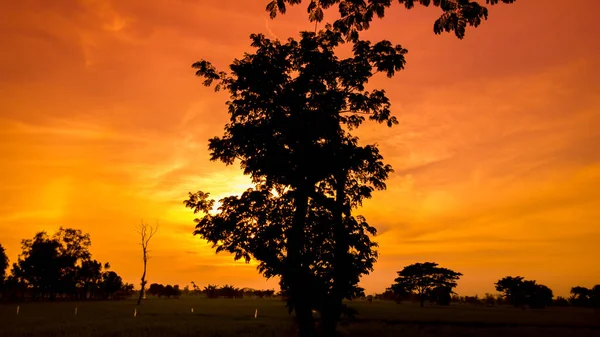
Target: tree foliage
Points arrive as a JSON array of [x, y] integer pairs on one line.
[[521, 292], [3, 264], [357, 15], [167, 291], [426, 280], [585, 297], [60, 266], [292, 108]]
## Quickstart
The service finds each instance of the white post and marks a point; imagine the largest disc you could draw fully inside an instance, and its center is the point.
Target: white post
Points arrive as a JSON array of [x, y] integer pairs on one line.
[[256, 313], [18, 309], [192, 310], [135, 312], [75, 311]]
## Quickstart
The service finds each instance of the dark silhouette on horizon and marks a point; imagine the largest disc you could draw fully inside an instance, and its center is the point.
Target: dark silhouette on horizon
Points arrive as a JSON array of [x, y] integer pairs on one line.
[[427, 281], [60, 267]]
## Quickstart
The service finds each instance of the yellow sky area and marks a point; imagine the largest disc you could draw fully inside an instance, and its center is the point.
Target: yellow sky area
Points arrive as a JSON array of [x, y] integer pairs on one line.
[[102, 124]]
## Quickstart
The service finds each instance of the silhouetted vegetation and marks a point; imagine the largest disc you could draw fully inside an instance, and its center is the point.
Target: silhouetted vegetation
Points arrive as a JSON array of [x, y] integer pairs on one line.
[[520, 292], [3, 265], [290, 132], [146, 233], [427, 281], [167, 291], [292, 108], [584, 297], [61, 267], [356, 16]]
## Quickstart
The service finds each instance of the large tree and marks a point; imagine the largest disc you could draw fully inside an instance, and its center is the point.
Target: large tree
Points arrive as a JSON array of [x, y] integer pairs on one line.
[[426, 280], [291, 108]]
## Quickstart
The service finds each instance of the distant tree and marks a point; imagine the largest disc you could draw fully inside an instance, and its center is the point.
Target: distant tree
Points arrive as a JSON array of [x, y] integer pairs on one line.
[[511, 288], [595, 296], [40, 266], [426, 279], [146, 233], [3, 264], [585, 297], [156, 289], [111, 284], [196, 289], [560, 302], [489, 300], [580, 296], [186, 291], [211, 291], [89, 276], [519, 292]]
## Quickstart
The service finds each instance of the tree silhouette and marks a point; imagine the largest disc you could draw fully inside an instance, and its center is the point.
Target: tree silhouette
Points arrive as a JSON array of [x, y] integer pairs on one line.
[[426, 279], [357, 15], [3, 264], [292, 108], [586, 297], [520, 292], [511, 288], [60, 267], [146, 233], [89, 274], [580, 296], [290, 105]]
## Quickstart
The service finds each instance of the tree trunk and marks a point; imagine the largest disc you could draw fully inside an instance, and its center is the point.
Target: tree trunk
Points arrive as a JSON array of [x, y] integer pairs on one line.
[[340, 266], [295, 277], [143, 283]]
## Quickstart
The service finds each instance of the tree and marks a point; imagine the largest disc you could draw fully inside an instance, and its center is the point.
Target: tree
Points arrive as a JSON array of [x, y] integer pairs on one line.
[[580, 296], [89, 276], [287, 134], [357, 15], [3, 264], [584, 297], [111, 284], [146, 233], [520, 292], [156, 289], [426, 279], [40, 266], [511, 288], [290, 134]]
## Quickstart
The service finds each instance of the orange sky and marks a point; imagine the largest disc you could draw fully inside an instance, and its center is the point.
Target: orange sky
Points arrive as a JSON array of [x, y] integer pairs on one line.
[[497, 155]]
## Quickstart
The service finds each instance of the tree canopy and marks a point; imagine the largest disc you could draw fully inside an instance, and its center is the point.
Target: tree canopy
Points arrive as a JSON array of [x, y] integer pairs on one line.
[[357, 15], [586, 297], [520, 292], [292, 108], [426, 280], [61, 266]]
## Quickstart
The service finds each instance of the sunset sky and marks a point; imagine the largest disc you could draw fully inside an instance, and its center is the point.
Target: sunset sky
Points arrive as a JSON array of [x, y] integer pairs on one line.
[[496, 157]]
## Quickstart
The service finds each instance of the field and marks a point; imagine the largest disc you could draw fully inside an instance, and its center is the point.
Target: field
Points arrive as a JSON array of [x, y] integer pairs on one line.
[[222, 317]]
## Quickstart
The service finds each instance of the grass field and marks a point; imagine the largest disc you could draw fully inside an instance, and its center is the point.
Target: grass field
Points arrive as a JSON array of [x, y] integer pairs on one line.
[[221, 317]]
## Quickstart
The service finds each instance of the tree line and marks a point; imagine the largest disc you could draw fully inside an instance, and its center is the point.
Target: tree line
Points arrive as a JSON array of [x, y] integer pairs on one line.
[[210, 291], [428, 282], [59, 267]]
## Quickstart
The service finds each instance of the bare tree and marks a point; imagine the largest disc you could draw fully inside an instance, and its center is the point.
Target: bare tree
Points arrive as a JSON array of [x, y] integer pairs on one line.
[[146, 232]]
